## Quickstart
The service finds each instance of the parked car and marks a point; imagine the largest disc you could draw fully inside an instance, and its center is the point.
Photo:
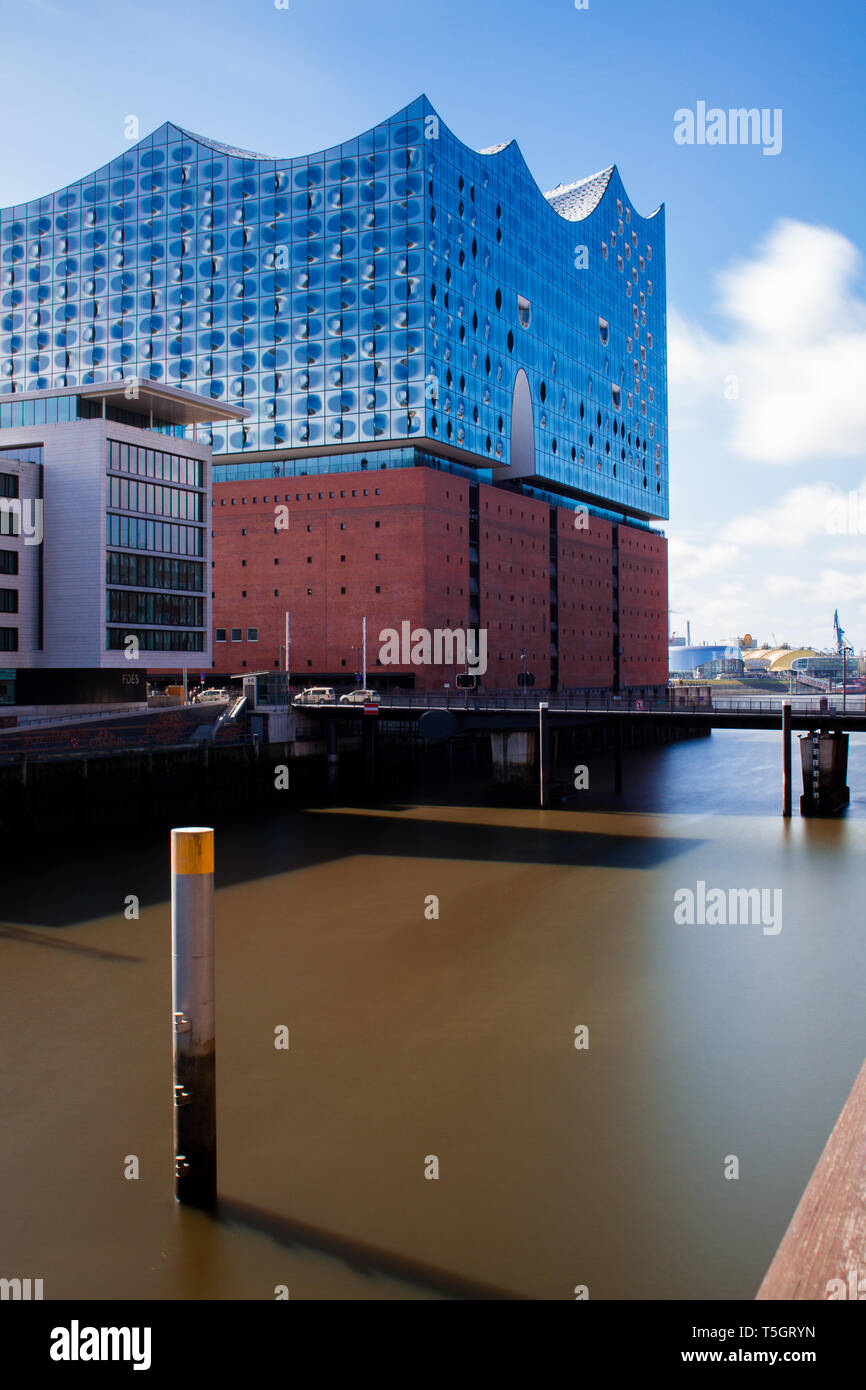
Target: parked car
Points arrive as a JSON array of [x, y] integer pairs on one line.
[[212, 696], [316, 695], [360, 697]]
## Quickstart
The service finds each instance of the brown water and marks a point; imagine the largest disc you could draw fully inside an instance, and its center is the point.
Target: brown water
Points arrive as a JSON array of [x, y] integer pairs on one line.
[[413, 1037]]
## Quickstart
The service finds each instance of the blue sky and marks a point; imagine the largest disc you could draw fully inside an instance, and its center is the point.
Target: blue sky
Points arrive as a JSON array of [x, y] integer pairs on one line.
[[765, 282]]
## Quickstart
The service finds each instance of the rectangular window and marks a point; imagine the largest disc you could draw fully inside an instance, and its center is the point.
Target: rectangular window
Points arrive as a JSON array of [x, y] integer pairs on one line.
[[8, 484], [155, 640], [220, 634], [8, 600], [8, 561], [8, 639], [252, 634], [237, 634]]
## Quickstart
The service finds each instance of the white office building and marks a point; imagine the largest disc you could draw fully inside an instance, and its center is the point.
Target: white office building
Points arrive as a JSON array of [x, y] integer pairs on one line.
[[105, 548]]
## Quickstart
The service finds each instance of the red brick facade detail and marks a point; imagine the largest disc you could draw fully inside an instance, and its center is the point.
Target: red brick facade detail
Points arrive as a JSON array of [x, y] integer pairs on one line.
[[585, 608], [394, 545], [389, 545], [514, 583], [643, 607]]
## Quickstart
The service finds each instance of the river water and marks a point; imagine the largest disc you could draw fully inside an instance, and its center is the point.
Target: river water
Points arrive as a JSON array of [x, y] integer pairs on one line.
[[413, 1036]]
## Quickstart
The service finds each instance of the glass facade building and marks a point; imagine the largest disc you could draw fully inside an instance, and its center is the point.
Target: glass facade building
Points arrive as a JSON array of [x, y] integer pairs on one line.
[[397, 291], [706, 661]]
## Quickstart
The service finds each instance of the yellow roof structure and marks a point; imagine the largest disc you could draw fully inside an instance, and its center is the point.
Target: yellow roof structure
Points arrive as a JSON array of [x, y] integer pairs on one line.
[[776, 658]]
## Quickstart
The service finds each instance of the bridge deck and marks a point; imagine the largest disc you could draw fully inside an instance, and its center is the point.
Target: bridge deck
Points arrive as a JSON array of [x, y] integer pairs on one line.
[[496, 716]]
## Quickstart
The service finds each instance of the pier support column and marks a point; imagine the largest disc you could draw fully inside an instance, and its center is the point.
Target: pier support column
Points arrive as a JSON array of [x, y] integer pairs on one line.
[[786, 761], [514, 755], [824, 758], [333, 757], [543, 755], [617, 766], [369, 745]]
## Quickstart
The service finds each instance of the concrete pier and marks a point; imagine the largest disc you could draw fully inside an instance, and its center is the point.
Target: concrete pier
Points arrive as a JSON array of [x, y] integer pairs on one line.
[[824, 758], [514, 756]]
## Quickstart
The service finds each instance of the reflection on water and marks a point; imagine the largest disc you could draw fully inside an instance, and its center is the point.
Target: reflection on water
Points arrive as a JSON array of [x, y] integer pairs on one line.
[[452, 1036]]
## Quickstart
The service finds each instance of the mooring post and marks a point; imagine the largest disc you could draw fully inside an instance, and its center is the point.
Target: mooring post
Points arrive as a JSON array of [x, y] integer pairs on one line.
[[786, 760], [192, 946]]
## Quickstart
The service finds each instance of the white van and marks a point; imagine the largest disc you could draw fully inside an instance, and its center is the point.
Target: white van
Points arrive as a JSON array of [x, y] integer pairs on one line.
[[360, 697], [212, 696], [316, 695]]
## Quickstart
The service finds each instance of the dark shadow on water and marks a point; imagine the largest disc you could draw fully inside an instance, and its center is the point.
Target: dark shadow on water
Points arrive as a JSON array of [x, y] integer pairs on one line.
[[363, 1259], [33, 938], [259, 846], [732, 774]]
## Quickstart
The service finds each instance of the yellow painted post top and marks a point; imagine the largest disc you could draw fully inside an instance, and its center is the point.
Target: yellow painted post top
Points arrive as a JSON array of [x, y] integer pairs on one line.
[[192, 850]]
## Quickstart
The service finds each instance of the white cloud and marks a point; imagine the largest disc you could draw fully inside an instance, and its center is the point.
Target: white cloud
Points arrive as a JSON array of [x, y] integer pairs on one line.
[[743, 581], [798, 517], [693, 561], [787, 382]]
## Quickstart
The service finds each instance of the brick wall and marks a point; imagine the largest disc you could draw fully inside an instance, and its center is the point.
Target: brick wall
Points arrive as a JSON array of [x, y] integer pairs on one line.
[[643, 607], [392, 545], [585, 601], [416, 521], [514, 545]]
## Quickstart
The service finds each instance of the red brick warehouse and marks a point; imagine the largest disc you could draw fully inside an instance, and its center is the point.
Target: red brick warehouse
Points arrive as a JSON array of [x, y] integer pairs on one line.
[[395, 545]]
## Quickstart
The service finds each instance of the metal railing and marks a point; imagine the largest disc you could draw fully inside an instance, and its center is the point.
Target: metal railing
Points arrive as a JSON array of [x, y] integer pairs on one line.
[[46, 720], [577, 703]]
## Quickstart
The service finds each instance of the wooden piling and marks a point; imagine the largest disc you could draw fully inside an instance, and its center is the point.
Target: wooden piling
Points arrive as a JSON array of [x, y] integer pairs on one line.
[[193, 1041]]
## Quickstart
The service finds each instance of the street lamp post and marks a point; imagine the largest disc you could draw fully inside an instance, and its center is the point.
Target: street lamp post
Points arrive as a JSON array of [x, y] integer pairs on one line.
[[288, 678]]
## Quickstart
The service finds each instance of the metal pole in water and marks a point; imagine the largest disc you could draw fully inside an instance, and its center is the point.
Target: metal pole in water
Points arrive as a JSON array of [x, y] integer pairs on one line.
[[193, 1052], [786, 760], [542, 787]]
